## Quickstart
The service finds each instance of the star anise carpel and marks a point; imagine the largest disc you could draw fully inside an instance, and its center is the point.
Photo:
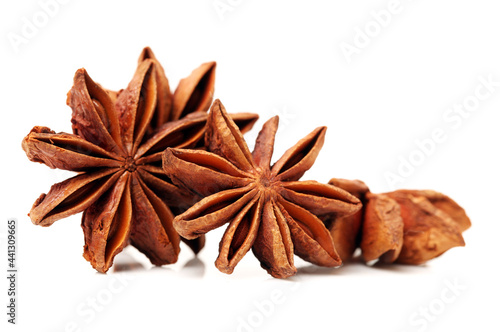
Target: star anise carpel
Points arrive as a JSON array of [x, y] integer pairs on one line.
[[267, 208], [401, 226], [116, 148]]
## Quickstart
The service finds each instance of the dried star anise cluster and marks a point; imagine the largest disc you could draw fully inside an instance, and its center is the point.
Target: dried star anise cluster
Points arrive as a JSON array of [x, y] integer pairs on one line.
[[154, 169], [116, 147]]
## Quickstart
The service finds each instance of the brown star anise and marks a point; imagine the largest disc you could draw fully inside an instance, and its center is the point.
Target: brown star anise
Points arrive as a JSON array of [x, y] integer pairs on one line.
[[267, 209], [402, 226], [345, 229], [116, 146]]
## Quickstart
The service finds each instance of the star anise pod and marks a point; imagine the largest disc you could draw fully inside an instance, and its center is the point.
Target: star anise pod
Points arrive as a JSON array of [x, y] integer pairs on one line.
[[402, 226], [116, 147], [345, 229], [267, 208]]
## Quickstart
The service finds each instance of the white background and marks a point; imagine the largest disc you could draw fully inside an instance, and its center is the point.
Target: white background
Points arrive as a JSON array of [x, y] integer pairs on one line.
[[280, 58]]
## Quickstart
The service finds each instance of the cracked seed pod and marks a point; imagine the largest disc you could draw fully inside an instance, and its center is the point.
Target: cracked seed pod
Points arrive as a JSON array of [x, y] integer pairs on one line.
[[345, 230], [433, 223], [403, 226], [382, 231]]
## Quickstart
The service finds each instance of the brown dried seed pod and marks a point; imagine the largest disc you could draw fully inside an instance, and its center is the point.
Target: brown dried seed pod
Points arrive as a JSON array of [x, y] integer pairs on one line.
[[345, 230], [403, 226], [382, 230], [268, 210], [428, 230], [116, 146]]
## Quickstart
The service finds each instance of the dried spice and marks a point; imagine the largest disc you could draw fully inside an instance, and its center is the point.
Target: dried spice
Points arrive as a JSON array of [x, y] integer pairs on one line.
[[116, 146], [345, 230], [403, 226], [267, 208], [140, 157]]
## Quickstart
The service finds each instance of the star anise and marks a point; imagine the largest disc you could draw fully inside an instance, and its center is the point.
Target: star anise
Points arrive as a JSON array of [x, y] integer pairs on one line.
[[116, 147], [267, 208], [402, 226], [345, 229]]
